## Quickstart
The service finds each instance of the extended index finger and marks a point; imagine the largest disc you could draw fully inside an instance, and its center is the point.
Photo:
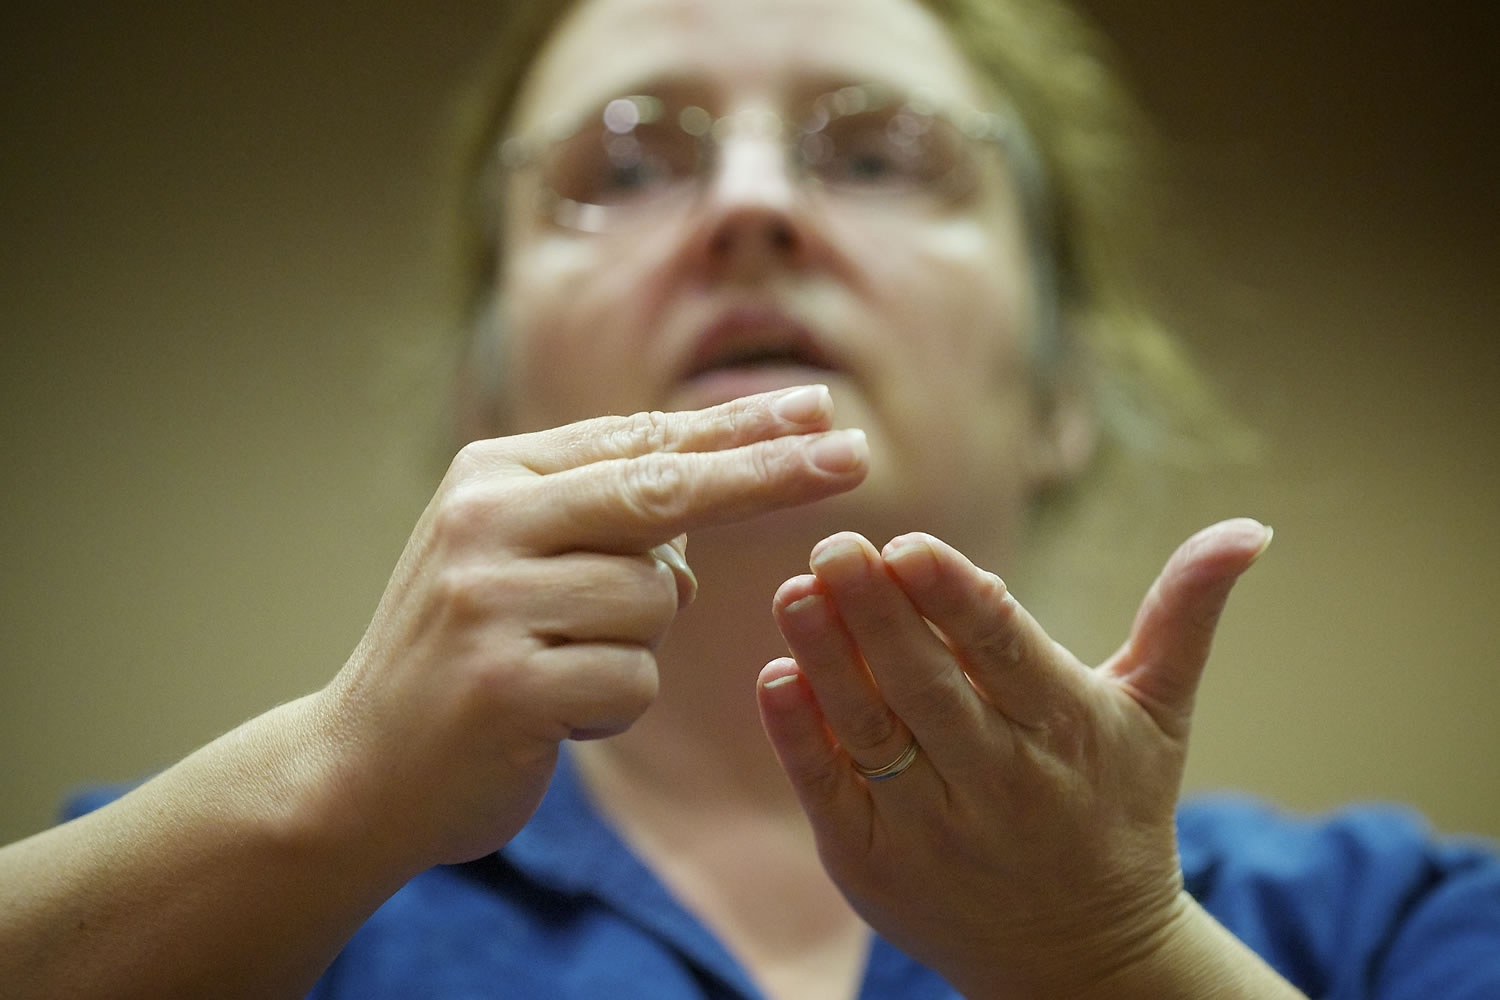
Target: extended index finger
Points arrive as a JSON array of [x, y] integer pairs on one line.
[[801, 410]]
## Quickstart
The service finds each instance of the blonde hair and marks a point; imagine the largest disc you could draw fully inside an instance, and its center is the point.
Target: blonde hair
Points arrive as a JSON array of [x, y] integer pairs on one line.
[[1055, 70]]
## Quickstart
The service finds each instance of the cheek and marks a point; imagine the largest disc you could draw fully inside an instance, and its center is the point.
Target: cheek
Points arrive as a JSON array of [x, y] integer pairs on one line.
[[965, 298], [568, 329], [961, 306]]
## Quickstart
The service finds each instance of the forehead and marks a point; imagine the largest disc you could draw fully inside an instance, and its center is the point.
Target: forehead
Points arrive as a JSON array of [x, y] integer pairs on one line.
[[734, 50]]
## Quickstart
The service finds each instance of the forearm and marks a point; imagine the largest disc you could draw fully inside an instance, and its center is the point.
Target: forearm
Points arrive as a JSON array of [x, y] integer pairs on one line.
[[1196, 958], [1191, 956], [231, 874]]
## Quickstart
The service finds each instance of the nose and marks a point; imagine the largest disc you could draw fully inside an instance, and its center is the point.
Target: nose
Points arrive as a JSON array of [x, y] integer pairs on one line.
[[754, 214]]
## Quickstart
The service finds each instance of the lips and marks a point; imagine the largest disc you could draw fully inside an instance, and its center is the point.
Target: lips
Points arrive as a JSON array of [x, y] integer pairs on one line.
[[748, 339]]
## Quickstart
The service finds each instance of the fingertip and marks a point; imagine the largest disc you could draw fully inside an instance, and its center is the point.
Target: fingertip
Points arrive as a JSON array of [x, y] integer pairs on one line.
[[805, 405], [1270, 535], [909, 541], [840, 551], [1221, 551], [1243, 536], [799, 736], [779, 673], [793, 590], [913, 558], [923, 563], [841, 453], [788, 709]]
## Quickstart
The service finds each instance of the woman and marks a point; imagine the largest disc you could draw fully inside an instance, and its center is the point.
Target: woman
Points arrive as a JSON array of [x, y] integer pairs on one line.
[[938, 772]]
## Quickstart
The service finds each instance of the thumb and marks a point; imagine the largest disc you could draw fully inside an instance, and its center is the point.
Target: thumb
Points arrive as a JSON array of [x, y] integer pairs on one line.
[[1162, 661], [673, 555]]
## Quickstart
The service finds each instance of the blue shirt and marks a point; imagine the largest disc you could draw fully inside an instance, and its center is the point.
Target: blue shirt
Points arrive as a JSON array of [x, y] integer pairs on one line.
[[1363, 904]]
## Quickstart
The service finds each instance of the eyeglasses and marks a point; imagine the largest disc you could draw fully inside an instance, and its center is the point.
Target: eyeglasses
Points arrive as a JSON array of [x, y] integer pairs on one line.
[[637, 153]]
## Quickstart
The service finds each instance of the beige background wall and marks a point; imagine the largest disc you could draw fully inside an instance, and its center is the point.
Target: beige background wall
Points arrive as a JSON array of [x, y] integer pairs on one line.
[[219, 374]]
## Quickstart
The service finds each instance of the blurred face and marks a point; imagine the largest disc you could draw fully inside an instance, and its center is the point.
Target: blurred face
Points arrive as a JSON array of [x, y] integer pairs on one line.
[[742, 269]]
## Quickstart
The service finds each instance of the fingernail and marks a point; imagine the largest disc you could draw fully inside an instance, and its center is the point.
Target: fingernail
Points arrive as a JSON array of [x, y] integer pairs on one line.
[[802, 605], [905, 546], [912, 558], [835, 550], [805, 405], [667, 554], [781, 681], [840, 451], [1266, 544]]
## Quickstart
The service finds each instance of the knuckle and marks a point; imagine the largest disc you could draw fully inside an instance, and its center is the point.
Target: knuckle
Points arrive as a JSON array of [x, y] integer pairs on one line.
[[871, 729], [626, 688], [740, 423], [462, 512], [655, 487], [995, 593], [470, 461], [639, 683], [495, 684], [933, 697], [646, 432], [998, 638], [877, 625], [1069, 737], [824, 785], [768, 461], [467, 593]]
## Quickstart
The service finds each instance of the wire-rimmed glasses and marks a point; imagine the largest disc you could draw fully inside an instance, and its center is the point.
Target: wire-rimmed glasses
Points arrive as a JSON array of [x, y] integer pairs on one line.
[[639, 152]]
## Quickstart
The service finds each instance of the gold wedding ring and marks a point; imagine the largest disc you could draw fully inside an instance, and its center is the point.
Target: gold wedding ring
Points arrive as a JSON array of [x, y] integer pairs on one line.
[[895, 767]]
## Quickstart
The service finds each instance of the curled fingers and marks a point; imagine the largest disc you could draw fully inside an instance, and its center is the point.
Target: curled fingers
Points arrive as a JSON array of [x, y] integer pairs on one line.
[[1009, 659], [857, 716], [585, 597]]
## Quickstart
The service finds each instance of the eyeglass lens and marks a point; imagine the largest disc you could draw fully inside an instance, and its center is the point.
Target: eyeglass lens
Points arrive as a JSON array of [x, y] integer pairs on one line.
[[636, 150]]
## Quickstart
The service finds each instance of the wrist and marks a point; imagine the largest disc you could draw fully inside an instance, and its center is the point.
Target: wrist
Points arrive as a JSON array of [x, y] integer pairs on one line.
[[1191, 956], [1175, 951], [290, 781]]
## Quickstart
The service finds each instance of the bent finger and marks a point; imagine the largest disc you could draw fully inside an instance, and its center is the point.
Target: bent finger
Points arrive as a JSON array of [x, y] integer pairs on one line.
[[918, 675], [831, 664], [589, 690], [1006, 654], [586, 597], [818, 769]]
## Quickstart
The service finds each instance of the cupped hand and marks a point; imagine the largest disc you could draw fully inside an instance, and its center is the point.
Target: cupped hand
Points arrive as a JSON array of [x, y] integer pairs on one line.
[[1029, 848], [527, 604]]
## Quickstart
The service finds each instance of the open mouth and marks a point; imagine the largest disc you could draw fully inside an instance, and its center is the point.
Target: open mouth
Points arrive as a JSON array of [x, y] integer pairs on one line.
[[751, 341]]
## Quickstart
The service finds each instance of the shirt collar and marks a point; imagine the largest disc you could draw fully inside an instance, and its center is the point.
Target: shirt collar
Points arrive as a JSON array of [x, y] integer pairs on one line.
[[568, 848]]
